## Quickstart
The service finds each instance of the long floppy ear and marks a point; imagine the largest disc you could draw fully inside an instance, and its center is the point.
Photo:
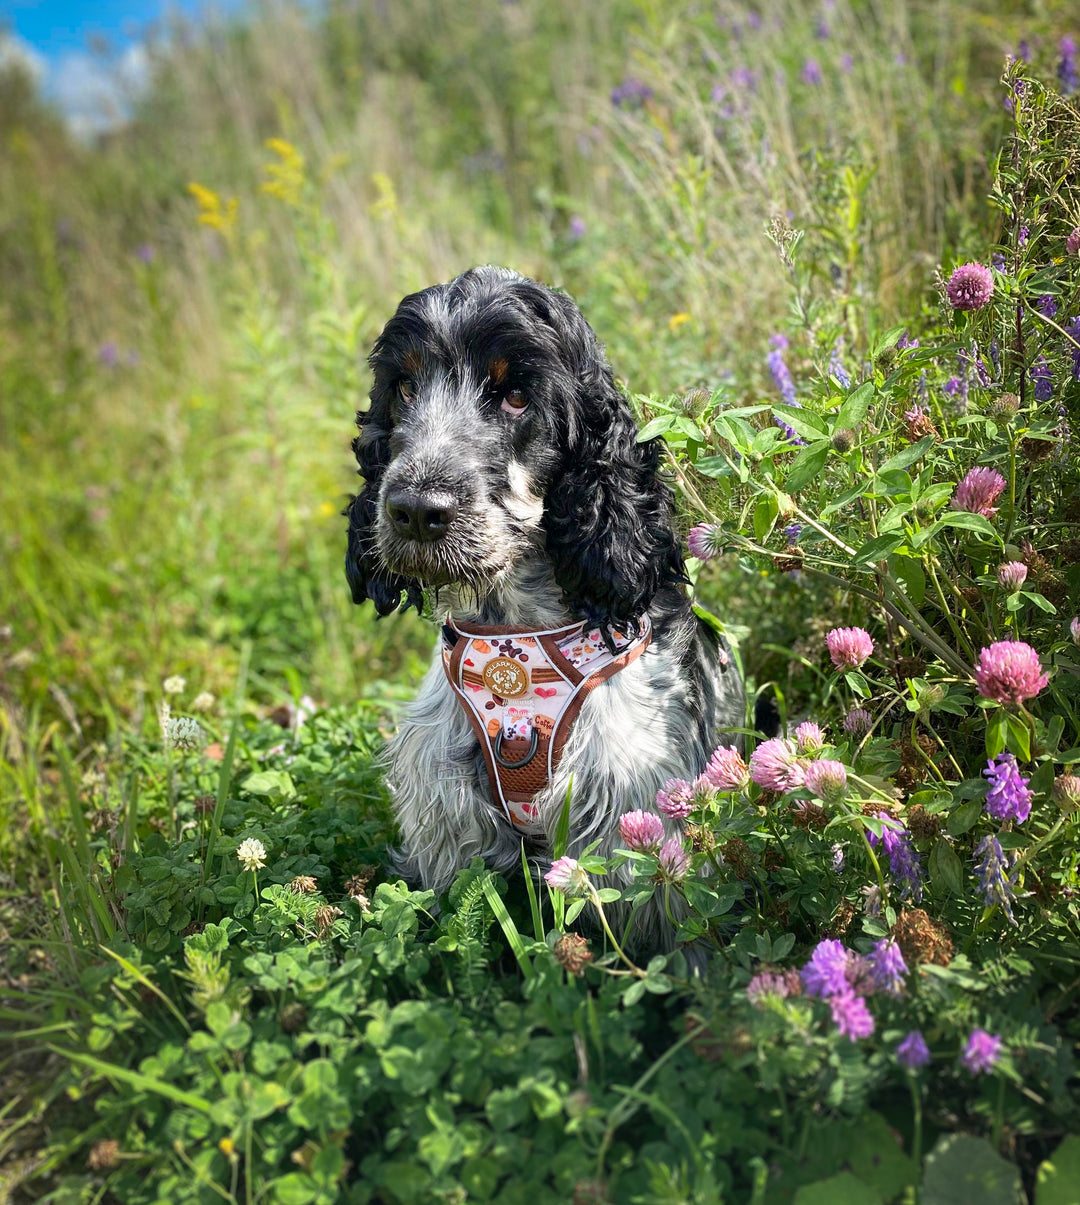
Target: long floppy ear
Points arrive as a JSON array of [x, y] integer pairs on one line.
[[608, 513], [367, 576]]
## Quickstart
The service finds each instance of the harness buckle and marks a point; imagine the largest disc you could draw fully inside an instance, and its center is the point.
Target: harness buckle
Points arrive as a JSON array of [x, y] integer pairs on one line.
[[534, 744]]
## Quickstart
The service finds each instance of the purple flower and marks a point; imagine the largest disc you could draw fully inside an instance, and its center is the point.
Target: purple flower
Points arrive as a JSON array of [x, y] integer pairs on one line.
[[568, 877], [836, 368], [1068, 76], [577, 227], [905, 867], [1074, 630], [1008, 797], [674, 860], [643, 831], [705, 541], [630, 93], [849, 647], [778, 984], [887, 967], [809, 738], [676, 798], [913, 1052], [822, 29], [781, 376], [792, 533], [1073, 329], [145, 253], [997, 261], [1012, 575], [851, 1015], [827, 780], [978, 492], [996, 884], [1022, 236], [811, 73], [969, 287], [826, 974], [904, 343], [1047, 305], [726, 769], [1043, 379], [1009, 671], [847, 61], [774, 765], [1072, 243], [858, 722], [1066, 792], [982, 1052], [109, 354]]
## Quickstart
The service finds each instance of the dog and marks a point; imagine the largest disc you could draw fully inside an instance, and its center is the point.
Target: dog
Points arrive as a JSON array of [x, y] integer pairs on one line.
[[503, 478]]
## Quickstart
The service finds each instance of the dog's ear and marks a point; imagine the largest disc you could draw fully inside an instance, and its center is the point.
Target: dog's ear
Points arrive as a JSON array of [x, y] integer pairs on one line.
[[367, 575], [608, 512]]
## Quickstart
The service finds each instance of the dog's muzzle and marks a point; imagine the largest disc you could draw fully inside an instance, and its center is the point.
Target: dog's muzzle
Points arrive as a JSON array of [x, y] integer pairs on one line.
[[422, 516]]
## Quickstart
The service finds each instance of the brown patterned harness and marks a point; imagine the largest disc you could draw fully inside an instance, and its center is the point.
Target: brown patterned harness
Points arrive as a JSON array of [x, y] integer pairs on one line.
[[522, 691]]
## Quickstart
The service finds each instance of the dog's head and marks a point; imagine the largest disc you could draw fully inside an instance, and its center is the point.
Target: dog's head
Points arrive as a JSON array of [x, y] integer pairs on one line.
[[495, 428]]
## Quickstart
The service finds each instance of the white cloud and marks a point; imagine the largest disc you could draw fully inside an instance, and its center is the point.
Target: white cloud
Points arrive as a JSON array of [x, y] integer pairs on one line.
[[94, 94]]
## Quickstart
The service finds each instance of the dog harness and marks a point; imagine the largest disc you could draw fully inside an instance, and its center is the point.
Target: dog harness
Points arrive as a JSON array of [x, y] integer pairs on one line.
[[522, 692]]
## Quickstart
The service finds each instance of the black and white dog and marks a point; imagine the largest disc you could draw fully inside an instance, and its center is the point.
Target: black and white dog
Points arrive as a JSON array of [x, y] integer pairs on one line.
[[502, 473]]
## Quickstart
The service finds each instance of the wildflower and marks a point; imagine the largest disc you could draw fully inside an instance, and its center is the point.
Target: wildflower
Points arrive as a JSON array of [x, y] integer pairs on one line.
[[913, 1052], [919, 424], [1012, 575], [1068, 77], [1074, 629], [676, 798], [1009, 671], [1022, 234], [779, 984], [904, 343], [145, 253], [1008, 797], [1072, 243], [837, 859], [325, 917], [568, 877], [252, 854], [826, 974], [969, 287], [996, 886], [303, 884], [174, 685], [843, 441], [997, 260], [905, 867], [572, 952], [811, 73], [847, 62], [851, 1015], [1047, 305], [1043, 379], [977, 493], [630, 94], [355, 884], [1004, 408], [887, 967], [836, 368], [1073, 330], [809, 737], [982, 1053], [642, 831], [576, 227], [705, 541], [775, 766], [858, 722], [849, 647], [792, 533], [781, 376], [726, 769], [827, 780], [108, 354], [182, 732], [203, 701], [871, 901], [1066, 792], [674, 860]]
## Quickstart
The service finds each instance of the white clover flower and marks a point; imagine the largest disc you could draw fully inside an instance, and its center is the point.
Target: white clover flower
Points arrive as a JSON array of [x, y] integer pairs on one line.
[[203, 701], [252, 853], [182, 732], [174, 685]]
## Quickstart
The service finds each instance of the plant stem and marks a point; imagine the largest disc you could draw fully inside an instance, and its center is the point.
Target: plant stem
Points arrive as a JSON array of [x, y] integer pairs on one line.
[[916, 1138]]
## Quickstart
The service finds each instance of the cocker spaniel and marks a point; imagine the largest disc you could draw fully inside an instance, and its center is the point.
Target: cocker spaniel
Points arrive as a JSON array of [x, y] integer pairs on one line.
[[503, 475]]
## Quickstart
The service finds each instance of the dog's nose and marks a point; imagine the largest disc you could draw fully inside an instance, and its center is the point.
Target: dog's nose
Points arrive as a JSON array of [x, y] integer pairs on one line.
[[420, 516]]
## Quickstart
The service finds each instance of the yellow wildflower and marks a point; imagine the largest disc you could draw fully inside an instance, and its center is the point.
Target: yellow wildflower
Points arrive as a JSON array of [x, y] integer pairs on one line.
[[285, 178], [213, 212], [676, 320]]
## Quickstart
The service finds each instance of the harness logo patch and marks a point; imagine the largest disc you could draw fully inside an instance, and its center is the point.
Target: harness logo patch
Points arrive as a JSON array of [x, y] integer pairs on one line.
[[506, 678]]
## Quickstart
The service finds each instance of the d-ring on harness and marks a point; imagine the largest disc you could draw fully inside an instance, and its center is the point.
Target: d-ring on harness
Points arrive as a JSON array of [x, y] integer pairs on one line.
[[522, 692]]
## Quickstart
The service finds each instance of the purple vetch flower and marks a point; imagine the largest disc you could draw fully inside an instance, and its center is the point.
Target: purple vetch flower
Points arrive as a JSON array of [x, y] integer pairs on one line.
[[827, 780], [1073, 331], [1009, 671], [809, 737], [1072, 242], [145, 253], [913, 1052], [887, 967], [826, 974], [1008, 797], [782, 378], [108, 354], [778, 984], [979, 490], [997, 261], [858, 722], [1023, 50], [674, 860], [811, 73], [982, 1053], [847, 62], [1011, 575], [576, 228], [641, 831], [837, 859], [851, 1015], [792, 533], [568, 877], [1068, 76], [822, 30], [1022, 236], [969, 287], [905, 866], [906, 344], [1042, 378], [1047, 305], [836, 368], [706, 541], [726, 769], [676, 798], [997, 885], [630, 93], [849, 647], [871, 901], [774, 765], [956, 387]]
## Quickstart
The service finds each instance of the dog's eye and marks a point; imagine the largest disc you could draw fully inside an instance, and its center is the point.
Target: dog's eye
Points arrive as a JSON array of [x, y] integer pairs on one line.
[[406, 389], [514, 402]]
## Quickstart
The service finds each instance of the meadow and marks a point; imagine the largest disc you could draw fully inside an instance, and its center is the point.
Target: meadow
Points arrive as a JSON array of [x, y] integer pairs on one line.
[[834, 254]]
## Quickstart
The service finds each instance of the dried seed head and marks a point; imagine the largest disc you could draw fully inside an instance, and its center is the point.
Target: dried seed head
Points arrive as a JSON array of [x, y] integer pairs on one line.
[[572, 952], [103, 1155], [292, 1016], [1004, 408], [325, 917], [304, 884], [922, 824], [922, 939], [843, 440]]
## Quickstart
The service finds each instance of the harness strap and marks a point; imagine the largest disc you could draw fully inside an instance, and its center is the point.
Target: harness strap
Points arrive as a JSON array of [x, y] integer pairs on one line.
[[522, 691]]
